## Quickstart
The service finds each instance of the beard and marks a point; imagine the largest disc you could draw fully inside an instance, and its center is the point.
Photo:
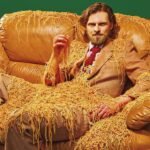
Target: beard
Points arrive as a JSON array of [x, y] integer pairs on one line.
[[97, 39]]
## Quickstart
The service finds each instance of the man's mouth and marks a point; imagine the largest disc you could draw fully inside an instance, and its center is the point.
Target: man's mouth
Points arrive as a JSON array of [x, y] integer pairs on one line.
[[97, 34]]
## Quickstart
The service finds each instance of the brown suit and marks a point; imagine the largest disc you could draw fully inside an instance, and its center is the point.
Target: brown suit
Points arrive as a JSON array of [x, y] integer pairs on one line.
[[112, 68]]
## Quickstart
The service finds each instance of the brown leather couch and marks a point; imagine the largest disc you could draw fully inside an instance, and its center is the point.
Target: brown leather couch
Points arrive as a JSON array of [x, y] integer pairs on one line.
[[138, 121], [26, 44]]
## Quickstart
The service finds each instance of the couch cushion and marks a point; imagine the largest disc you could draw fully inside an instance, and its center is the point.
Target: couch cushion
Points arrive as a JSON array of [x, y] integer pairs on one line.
[[27, 36]]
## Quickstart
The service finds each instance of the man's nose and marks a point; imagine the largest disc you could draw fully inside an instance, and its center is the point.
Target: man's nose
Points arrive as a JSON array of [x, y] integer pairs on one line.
[[97, 28]]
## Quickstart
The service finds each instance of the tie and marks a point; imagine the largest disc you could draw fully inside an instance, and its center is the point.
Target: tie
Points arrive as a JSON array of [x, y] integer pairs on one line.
[[91, 58]]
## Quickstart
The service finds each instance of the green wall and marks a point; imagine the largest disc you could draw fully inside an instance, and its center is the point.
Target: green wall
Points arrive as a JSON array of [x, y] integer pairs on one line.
[[131, 7]]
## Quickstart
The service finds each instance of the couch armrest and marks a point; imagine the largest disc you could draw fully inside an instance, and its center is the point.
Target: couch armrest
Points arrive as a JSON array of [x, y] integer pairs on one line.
[[139, 115], [30, 72]]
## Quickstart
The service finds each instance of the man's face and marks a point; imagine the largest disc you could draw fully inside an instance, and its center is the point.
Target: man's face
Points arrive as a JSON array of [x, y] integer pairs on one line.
[[98, 27]]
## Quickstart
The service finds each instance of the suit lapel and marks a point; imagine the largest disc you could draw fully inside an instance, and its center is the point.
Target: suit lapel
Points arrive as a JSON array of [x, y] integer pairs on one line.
[[101, 59]]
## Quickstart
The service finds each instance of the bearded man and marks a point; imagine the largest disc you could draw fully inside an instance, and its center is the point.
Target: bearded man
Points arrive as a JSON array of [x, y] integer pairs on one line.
[[109, 67]]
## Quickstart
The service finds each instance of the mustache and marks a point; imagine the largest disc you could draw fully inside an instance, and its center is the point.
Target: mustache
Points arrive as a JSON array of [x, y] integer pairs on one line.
[[97, 34]]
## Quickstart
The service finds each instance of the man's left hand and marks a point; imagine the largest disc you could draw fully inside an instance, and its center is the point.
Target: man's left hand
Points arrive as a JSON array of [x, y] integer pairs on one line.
[[100, 112], [103, 111]]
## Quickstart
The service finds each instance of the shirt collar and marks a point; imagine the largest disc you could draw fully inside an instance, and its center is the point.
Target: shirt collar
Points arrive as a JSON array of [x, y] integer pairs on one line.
[[92, 45]]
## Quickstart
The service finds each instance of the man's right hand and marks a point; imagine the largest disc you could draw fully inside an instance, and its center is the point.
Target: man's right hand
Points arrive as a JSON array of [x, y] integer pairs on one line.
[[60, 45]]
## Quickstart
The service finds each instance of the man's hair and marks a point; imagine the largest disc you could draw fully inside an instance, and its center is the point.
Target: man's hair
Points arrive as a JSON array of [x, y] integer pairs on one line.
[[98, 7]]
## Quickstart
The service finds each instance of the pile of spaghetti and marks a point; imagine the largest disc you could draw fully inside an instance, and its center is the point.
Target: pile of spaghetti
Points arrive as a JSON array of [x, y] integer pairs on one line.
[[69, 100], [21, 92]]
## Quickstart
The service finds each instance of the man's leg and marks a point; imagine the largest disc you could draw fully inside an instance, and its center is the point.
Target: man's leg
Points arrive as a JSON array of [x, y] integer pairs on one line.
[[68, 145], [15, 140], [1, 146]]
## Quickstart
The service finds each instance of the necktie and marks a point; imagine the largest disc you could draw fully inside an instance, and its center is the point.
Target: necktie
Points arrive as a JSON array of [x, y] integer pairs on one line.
[[91, 58]]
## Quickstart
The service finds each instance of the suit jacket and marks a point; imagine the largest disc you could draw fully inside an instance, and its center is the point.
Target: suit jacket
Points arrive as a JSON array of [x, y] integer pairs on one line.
[[117, 62]]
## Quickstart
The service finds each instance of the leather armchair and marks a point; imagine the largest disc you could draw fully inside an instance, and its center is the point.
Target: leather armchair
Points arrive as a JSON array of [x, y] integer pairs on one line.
[[26, 46], [138, 120]]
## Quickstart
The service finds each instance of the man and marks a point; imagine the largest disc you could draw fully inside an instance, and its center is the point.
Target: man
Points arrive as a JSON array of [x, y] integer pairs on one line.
[[106, 73]]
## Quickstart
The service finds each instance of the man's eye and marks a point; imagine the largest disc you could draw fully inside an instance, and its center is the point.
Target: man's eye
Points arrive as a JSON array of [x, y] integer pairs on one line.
[[102, 24], [91, 24]]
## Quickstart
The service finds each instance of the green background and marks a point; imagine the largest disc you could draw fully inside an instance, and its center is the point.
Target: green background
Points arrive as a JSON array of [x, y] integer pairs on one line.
[[131, 7]]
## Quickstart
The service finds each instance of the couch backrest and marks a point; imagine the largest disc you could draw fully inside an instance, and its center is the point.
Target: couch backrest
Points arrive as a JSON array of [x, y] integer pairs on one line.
[[26, 39], [27, 36], [135, 29]]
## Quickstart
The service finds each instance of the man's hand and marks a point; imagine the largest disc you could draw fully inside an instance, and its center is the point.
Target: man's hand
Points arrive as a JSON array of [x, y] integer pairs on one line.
[[103, 111], [60, 45], [52, 72], [100, 112]]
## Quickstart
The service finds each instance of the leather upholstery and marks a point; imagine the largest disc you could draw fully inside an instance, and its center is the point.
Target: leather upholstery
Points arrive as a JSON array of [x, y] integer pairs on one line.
[[138, 121], [139, 116], [26, 40], [26, 45]]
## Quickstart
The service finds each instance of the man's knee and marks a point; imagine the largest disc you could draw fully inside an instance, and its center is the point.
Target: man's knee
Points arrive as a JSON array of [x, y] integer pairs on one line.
[[20, 135]]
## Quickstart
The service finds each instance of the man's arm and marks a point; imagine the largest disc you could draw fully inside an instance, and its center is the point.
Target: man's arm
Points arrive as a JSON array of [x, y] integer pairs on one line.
[[139, 73], [56, 72], [52, 74]]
